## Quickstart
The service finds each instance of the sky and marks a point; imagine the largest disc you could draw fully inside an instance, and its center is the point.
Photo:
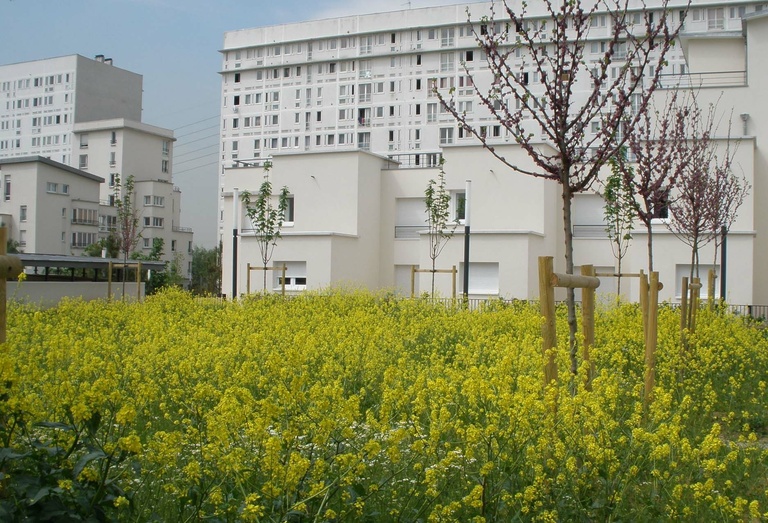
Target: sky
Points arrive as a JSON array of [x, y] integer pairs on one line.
[[175, 45]]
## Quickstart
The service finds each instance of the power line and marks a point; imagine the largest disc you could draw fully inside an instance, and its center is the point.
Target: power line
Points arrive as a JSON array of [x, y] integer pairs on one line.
[[194, 168], [198, 140], [199, 131], [197, 158], [197, 122], [194, 151]]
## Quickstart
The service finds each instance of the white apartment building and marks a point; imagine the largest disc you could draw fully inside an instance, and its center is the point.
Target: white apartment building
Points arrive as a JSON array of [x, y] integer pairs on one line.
[[49, 207], [87, 114], [121, 148], [41, 101], [344, 107]]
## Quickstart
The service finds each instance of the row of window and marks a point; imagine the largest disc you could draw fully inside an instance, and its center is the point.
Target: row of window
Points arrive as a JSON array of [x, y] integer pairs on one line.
[[38, 81], [447, 35], [83, 164], [56, 188], [25, 103]]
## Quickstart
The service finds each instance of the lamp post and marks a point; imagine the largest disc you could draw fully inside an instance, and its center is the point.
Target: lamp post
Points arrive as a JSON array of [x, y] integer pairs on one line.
[[466, 241], [234, 242]]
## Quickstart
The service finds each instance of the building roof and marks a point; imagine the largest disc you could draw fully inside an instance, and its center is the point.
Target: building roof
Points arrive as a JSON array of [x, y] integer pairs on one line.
[[81, 262], [122, 123], [52, 163]]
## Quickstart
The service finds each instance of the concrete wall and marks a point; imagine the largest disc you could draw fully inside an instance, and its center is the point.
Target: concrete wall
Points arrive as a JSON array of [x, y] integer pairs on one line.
[[49, 293]]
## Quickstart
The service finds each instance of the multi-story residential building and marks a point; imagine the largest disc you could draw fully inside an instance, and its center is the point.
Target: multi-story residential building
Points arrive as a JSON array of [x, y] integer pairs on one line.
[[87, 114], [121, 148], [357, 93], [49, 207], [41, 101]]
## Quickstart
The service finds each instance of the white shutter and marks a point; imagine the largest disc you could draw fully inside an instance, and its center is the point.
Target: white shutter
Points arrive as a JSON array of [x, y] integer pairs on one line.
[[483, 278]]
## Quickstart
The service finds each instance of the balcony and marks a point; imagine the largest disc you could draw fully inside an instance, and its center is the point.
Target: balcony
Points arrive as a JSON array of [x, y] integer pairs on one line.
[[415, 160], [703, 80], [82, 221], [182, 229], [408, 232]]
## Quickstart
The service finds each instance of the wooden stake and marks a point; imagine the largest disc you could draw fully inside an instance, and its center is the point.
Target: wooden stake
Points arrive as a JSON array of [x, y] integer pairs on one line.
[[651, 339], [684, 305], [548, 331], [588, 324]]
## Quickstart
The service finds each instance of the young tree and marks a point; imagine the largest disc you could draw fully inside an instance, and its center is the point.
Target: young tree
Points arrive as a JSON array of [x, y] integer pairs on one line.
[[157, 279], [128, 231], [110, 243], [657, 146], [619, 212], [709, 194], [206, 271], [438, 207], [553, 94], [267, 219], [730, 191]]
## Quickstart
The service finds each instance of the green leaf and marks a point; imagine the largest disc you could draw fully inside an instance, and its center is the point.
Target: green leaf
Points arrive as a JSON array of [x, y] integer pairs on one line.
[[82, 462]]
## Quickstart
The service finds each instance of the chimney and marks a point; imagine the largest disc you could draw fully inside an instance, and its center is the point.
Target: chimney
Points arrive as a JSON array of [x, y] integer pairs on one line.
[[99, 58], [108, 61]]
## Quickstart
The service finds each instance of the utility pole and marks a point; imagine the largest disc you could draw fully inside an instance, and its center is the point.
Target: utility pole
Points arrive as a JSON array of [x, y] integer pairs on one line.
[[234, 242], [466, 241]]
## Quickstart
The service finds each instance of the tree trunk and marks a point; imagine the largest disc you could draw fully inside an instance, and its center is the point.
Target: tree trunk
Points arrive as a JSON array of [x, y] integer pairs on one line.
[[264, 276], [433, 278], [571, 294], [649, 227]]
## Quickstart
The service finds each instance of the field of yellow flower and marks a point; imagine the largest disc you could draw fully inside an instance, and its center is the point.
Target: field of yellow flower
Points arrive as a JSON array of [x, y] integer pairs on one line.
[[363, 407]]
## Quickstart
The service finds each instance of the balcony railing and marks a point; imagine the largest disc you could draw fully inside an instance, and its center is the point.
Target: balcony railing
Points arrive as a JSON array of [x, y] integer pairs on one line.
[[590, 231], [697, 80], [182, 229], [408, 231], [415, 160], [82, 221]]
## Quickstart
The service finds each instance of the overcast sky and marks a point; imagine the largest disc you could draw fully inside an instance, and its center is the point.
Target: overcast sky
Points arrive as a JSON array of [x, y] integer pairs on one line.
[[174, 44]]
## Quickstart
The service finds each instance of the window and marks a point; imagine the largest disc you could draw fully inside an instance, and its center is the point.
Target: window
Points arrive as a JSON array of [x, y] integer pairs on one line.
[[458, 205], [661, 207], [64, 188], [84, 141], [289, 210], [483, 278], [446, 62], [23, 213], [716, 18], [166, 147], [446, 36], [83, 239], [431, 112], [52, 187], [409, 217], [469, 56], [237, 100], [85, 216], [173, 245], [146, 243], [7, 187], [684, 271], [113, 139], [112, 179], [446, 135], [112, 159], [83, 161], [295, 275]]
